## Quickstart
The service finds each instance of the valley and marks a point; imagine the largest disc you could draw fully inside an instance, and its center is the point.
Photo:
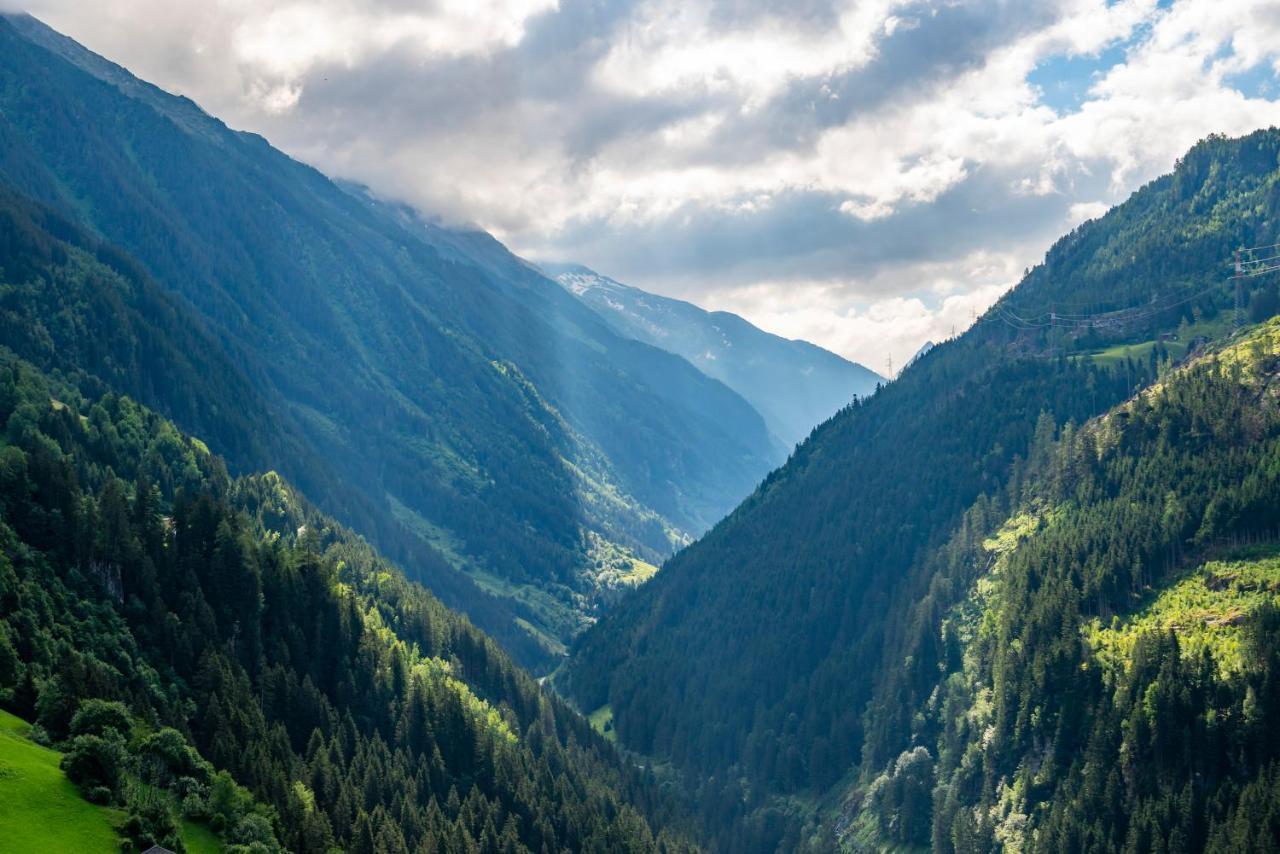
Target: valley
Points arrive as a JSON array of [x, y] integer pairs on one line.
[[802, 580], [331, 523], [470, 417]]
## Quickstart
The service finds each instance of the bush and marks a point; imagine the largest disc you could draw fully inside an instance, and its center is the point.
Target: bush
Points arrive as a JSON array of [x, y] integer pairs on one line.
[[95, 762], [98, 717], [228, 802], [254, 831], [165, 758], [151, 820]]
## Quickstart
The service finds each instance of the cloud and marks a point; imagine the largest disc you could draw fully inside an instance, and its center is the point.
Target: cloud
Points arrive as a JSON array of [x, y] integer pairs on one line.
[[860, 173], [882, 333]]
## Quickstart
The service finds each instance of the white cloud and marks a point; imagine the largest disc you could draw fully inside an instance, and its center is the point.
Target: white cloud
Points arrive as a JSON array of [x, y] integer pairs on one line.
[[260, 51], [670, 44], [287, 39], [859, 320], [853, 172], [1083, 211]]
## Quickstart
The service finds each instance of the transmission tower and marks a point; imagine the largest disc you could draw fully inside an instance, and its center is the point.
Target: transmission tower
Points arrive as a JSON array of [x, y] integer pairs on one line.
[[1249, 263], [1239, 293]]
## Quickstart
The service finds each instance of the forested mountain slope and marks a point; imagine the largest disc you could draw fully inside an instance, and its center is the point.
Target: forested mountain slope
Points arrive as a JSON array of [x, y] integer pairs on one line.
[[759, 660], [81, 308], [216, 650], [795, 385], [431, 390], [1094, 664]]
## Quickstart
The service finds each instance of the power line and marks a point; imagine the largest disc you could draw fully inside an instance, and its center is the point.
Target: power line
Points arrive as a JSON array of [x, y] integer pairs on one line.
[[1247, 265], [1107, 318], [1099, 320]]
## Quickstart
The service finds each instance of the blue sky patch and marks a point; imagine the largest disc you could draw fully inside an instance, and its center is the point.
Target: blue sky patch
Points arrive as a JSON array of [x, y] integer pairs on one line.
[[1260, 81], [1064, 81]]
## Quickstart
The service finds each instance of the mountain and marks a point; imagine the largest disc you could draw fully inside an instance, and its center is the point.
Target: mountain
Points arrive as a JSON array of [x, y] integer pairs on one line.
[[919, 354], [787, 662], [793, 384], [479, 424], [217, 659], [1103, 645]]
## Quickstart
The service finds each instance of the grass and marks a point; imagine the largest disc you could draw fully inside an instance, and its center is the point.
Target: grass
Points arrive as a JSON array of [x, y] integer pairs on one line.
[[602, 722], [1139, 352], [40, 809], [1213, 330], [641, 571], [1205, 608], [615, 567], [630, 572], [199, 839]]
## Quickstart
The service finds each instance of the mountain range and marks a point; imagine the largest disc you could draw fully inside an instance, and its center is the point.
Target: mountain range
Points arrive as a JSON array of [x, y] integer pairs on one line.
[[263, 437], [794, 385], [435, 392]]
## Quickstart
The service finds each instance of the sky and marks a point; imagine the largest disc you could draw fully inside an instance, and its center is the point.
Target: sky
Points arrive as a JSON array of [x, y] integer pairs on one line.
[[867, 175]]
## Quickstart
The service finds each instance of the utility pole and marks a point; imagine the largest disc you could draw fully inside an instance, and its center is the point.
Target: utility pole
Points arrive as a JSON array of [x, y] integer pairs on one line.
[[1239, 293]]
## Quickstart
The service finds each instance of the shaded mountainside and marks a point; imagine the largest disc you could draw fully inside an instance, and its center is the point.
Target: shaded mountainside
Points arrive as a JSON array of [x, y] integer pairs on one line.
[[81, 308], [795, 385], [428, 388], [215, 651], [765, 660]]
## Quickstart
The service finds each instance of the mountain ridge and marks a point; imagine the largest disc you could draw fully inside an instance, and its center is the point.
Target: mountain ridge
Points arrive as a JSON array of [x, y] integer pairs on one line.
[[793, 383], [803, 592], [438, 393]]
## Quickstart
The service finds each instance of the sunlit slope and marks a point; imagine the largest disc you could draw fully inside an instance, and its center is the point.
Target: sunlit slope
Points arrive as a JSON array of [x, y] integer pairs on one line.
[[40, 809], [214, 649], [1115, 636]]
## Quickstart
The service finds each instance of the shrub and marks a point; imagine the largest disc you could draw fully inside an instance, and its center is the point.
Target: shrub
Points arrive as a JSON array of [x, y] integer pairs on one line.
[[151, 820], [96, 762], [98, 717], [165, 758]]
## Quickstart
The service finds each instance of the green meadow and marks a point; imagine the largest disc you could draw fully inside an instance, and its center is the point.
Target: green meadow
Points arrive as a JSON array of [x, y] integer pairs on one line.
[[40, 809]]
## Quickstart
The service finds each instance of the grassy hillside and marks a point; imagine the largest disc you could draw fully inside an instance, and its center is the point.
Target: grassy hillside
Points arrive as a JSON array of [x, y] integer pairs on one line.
[[40, 809]]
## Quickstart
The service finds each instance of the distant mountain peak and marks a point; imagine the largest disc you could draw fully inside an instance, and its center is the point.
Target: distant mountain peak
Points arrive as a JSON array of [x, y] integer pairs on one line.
[[924, 349], [795, 385]]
